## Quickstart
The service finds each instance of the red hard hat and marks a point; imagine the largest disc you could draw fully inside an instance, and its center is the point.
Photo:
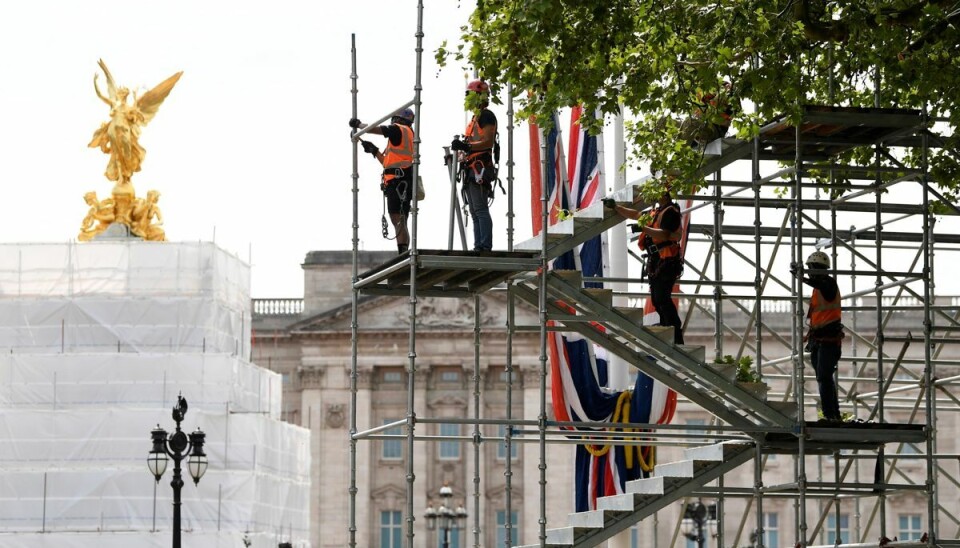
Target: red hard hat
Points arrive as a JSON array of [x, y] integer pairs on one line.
[[478, 86]]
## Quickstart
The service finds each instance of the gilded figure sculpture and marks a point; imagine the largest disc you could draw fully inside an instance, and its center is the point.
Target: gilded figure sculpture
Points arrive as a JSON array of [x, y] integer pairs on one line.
[[98, 217], [120, 139]]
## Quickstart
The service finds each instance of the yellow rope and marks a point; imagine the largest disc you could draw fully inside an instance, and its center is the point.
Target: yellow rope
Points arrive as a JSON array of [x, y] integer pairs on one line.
[[622, 414]]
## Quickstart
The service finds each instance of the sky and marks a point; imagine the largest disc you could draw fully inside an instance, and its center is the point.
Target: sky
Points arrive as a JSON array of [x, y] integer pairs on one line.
[[251, 149]]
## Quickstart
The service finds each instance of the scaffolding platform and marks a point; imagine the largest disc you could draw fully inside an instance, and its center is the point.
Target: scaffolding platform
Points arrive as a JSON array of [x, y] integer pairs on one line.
[[441, 273], [824, 438], [825, 132]]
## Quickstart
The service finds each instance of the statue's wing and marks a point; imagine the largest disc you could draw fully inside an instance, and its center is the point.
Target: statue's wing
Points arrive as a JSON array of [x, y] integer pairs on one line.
[[111, 85], [151, 100]]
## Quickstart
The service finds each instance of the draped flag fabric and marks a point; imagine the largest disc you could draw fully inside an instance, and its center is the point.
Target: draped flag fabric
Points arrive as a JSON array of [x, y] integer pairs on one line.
[[578, 368], [558, 189]]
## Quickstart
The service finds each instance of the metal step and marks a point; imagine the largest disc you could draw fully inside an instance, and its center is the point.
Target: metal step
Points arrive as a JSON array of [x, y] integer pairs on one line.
[[645, 496], [601, 295], [696, 352]]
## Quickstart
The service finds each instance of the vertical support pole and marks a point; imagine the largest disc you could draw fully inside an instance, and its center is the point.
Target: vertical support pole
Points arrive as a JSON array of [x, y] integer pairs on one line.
[[542, 308], [929, 372], [508, 431], [798, 372], [758, 494], [718, 267], [476, 424], [353, 310], [510, 164], [414, 257], [757, 238], [511, 303]]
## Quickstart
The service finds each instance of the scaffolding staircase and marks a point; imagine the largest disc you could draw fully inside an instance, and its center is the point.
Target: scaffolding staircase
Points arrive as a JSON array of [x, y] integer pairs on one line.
[[684, 369], [643, 497]]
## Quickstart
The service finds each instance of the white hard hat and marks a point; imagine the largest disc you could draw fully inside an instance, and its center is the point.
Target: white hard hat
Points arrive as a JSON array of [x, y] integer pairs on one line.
[[818, 259]]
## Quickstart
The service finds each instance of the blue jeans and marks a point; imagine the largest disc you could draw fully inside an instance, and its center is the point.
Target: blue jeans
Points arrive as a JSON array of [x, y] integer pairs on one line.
[[477, 196], [824, 358]]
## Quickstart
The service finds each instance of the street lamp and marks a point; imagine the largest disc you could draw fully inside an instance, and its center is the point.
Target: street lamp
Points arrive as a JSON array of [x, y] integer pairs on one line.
[[695, 516], [177, 446], [449, 518]]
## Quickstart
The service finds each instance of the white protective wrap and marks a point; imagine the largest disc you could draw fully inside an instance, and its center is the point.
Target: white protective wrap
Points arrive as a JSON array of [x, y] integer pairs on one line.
[[123, 296], [96, 342], [207, 381]]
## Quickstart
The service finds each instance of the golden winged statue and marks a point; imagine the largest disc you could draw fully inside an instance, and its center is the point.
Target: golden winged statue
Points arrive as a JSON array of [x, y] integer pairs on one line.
[[120, 138]]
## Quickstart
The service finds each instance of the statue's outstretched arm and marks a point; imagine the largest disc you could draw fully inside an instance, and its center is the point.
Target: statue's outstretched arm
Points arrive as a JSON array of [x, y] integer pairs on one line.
[[99, 94]]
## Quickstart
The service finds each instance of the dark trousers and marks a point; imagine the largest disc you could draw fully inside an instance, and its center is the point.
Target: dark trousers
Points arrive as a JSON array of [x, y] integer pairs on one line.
[[661, 286], [477, 199], [824, 358]]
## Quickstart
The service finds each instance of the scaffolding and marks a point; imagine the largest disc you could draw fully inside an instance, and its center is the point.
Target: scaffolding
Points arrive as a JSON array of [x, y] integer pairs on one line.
[[884, 383]]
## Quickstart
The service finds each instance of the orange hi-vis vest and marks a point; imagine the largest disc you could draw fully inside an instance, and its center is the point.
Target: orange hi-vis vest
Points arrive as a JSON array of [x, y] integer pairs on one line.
[[473, 132], [399, 156], [823, 312], [664, 247]]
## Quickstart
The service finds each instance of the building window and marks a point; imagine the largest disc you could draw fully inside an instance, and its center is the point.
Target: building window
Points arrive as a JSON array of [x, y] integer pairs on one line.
[[503, 376], [832, 528], [450, 375], [392, 449], [449, 450], [391, 529], [771, 530], [910, 527], [502, 529], [454, 538], [502, 445], [635, 537], [393, 376]]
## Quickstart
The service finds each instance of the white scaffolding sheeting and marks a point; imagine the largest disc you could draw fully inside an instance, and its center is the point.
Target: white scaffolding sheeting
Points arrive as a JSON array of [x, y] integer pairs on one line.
[[207, 381], [159, 539], [123, 296], [85, 470], [96, 342]]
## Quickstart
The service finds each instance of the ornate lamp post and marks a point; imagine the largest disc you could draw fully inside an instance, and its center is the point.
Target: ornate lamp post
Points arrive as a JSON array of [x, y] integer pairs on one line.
[[695, 516], [177, 446], [446, 517]]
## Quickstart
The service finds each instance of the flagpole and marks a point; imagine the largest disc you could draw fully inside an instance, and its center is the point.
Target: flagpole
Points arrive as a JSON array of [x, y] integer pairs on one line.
[[617, 368], [619, 371]]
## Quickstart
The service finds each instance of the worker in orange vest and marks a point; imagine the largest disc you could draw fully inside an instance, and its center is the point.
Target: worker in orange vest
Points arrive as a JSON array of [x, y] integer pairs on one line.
[[660, 240], [825, 331], [396, 182], [478, 168], [710, 118]]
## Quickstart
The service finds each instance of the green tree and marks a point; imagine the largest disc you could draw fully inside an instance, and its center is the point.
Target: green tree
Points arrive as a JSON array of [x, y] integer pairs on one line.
[[658, 56]]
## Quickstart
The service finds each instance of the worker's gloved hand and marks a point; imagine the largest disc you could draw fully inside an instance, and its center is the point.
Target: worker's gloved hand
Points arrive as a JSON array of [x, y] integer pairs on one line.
[[636, 228], [368, 147], [460, 145], [356, 123], [794, 268], [609, 203]]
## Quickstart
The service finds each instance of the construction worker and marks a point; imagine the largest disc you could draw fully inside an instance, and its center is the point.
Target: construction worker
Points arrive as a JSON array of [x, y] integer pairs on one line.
[[397, 179], [710, 118], [478, 169], [660, 240], [825, 330]]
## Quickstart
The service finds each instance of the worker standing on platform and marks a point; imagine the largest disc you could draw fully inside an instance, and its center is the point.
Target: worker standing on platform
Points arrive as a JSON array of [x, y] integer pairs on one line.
[[477, 162], [825, 330], [660, 240], [397, 179]]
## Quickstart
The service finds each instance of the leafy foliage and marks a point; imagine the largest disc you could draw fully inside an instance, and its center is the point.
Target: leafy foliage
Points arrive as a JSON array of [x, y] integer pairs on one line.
[[658, 57], [744, 371]]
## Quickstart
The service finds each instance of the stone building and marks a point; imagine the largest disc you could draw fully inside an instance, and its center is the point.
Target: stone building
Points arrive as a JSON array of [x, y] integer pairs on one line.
[[308, 341]]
